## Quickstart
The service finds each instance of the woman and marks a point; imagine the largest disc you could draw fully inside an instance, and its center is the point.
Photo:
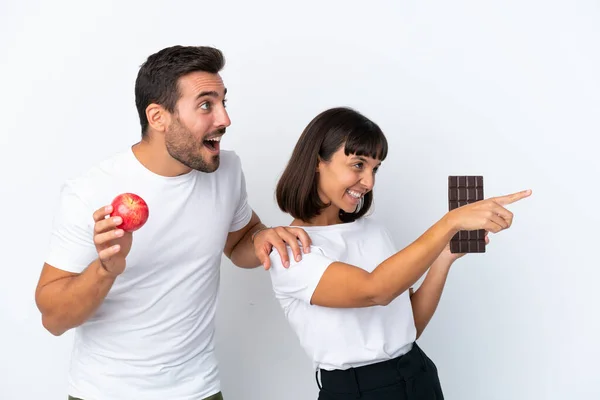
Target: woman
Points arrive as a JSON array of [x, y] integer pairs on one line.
[[348, 300]]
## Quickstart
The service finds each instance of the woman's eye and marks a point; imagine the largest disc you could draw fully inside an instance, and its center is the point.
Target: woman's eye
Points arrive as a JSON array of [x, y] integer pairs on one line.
[[358, 165]]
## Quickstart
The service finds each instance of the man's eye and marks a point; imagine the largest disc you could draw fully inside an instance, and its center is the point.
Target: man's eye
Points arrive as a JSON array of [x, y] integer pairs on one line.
[[205, 106], [225, 103]]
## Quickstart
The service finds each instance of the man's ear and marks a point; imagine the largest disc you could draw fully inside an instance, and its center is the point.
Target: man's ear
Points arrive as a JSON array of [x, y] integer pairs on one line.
[[158, 117]]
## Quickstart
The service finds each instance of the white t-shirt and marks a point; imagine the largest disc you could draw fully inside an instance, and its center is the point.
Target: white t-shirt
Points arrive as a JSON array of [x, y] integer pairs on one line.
[[153, 336], [341, 338]]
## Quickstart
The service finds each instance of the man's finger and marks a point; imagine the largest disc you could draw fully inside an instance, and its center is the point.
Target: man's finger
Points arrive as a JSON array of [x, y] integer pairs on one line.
[[282, 250], [103, 238], [105, 254], [304, 238], [263, 256], [511, 198], [292, 241], [102, 212], [106, 224]]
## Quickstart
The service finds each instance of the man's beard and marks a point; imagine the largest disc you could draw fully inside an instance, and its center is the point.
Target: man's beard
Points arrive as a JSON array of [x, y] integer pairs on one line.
[[182, 146]]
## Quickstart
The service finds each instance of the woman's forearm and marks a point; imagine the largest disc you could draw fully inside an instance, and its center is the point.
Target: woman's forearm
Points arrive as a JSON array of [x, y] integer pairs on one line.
[[343, 285], [399, 272], [426, 298]]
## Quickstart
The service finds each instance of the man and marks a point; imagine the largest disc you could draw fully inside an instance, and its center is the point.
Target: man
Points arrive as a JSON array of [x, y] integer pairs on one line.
[[143, 303]]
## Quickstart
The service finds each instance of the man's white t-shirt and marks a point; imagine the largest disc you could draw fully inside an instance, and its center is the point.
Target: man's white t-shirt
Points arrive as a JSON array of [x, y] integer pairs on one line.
[[341, 338], [153, 336]]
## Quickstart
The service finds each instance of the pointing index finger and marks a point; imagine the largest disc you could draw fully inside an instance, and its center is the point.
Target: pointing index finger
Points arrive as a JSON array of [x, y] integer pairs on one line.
[[511, 198]]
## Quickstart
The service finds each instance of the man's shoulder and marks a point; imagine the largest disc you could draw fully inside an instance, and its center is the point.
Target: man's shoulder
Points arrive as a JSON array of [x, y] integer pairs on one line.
[[230, 167], [107, 165], [230, 160], [96, 177]]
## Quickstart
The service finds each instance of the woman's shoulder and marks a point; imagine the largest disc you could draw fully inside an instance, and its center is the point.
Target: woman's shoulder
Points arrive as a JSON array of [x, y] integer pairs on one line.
[[369, 226], [336, 238], [340, 242], [362, 228], [371, 222]]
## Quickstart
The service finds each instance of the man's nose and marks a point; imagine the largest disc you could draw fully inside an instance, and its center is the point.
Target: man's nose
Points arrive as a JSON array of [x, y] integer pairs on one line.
[[222, 120]]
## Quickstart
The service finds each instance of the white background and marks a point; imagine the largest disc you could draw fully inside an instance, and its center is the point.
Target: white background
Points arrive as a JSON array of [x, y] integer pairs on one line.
[[509, 90]]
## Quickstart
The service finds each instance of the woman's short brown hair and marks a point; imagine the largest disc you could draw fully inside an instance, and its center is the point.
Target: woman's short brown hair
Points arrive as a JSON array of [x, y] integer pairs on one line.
[[296, 190]]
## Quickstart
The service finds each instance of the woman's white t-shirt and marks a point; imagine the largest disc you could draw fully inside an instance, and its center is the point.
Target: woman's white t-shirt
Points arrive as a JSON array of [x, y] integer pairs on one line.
[[340, 338]]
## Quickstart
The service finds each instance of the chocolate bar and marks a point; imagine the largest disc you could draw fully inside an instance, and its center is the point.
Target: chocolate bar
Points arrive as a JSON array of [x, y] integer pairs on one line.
[[463, 190]]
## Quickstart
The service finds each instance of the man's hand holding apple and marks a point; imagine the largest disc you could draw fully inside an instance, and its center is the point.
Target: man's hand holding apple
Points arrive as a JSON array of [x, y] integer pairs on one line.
[[112, 243], [113, 236]]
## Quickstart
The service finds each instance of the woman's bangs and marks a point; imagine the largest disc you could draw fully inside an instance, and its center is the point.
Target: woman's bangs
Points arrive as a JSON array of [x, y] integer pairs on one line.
[[367, 142]]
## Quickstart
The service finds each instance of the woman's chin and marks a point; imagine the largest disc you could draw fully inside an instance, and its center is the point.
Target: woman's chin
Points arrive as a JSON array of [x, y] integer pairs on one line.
[[348, 209]]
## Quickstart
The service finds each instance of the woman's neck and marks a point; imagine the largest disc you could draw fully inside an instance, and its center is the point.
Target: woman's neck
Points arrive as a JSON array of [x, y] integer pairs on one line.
[[328, 216]]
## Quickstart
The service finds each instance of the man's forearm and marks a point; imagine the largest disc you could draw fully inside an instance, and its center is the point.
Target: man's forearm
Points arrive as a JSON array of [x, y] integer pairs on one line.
[[69, 302], [426, 299], [243, 254]]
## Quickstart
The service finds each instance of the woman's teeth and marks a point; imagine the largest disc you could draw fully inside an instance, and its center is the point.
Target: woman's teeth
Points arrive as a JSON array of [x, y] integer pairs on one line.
[[354, 194]]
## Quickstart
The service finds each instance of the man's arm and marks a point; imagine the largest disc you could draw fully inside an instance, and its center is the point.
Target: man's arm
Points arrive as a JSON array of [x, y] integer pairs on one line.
[[239, 247], [246, 253], [66, 300]]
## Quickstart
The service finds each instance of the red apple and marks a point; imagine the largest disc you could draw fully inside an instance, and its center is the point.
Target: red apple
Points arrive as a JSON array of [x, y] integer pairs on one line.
[[132, 209]]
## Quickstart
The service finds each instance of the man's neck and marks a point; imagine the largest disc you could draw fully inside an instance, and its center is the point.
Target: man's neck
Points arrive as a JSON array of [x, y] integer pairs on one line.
[[156, 158]]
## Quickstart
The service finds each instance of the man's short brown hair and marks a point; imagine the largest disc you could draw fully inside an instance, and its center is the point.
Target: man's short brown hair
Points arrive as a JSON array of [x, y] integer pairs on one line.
[[158, 78]]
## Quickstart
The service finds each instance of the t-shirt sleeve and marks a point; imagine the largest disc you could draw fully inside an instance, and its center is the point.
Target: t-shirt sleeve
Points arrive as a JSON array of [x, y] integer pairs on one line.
[[243, 211], [301, 278], [71, 240]]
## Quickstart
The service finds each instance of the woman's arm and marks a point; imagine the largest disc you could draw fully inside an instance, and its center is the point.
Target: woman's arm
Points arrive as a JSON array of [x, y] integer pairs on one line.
[[426, 299], [343, 285]]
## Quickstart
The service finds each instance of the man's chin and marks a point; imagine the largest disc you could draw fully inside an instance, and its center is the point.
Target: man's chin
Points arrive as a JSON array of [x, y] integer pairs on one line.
[[212, 165]]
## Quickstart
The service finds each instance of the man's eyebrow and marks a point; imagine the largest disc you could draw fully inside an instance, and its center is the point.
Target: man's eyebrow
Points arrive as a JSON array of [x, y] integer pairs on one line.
[[210, 93]]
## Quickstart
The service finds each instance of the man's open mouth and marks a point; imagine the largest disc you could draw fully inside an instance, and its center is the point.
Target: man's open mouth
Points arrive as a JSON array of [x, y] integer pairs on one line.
[[212, 144]]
